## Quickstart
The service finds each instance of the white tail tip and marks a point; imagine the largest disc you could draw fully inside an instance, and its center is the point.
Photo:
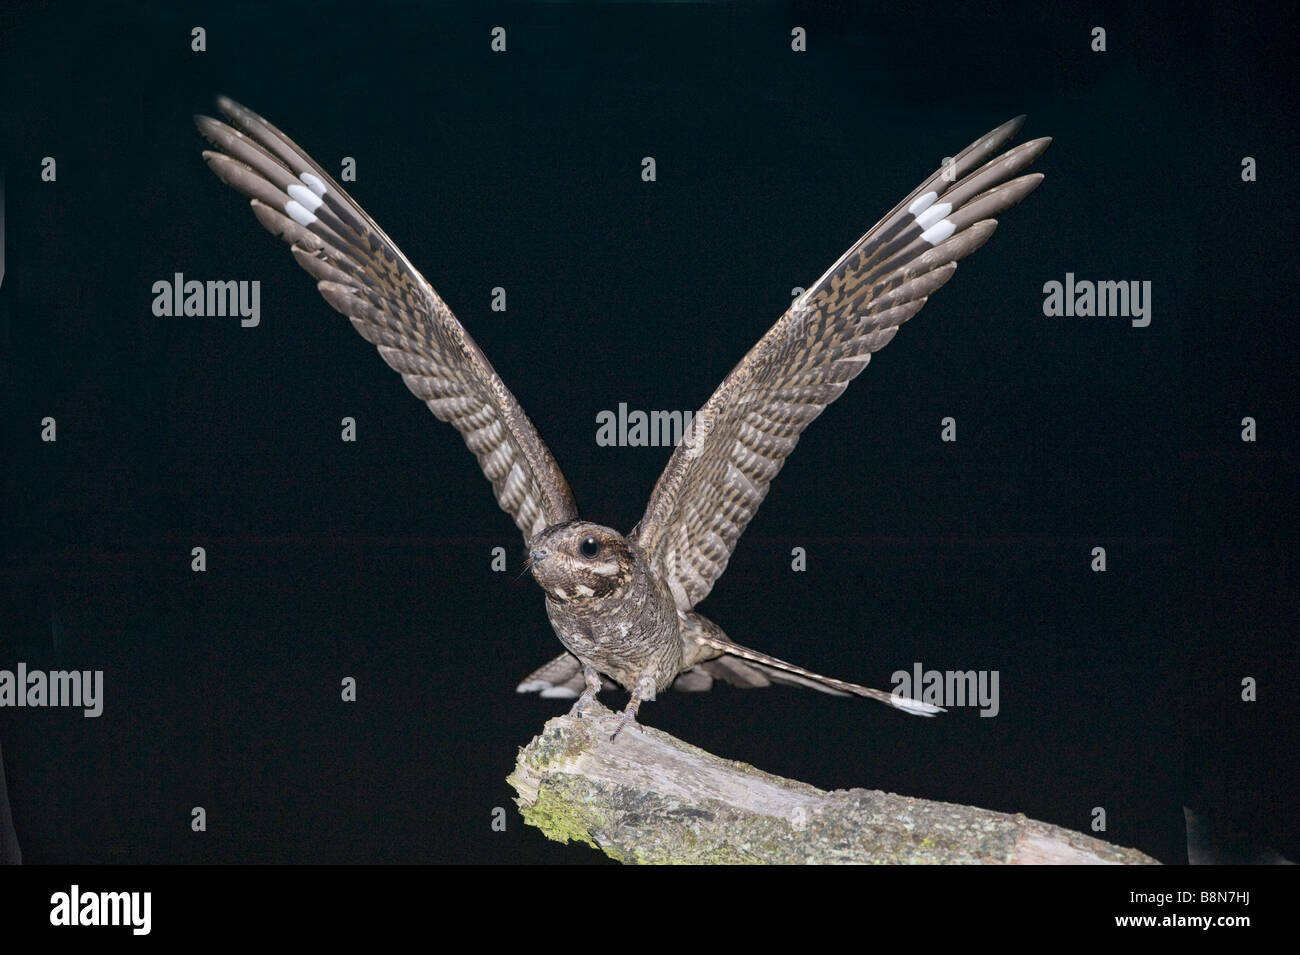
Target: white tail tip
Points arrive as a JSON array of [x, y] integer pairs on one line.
[[915, 707]]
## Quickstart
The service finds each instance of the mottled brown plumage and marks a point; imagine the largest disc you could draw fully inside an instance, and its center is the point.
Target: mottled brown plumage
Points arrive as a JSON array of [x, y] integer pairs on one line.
[[624, 606]]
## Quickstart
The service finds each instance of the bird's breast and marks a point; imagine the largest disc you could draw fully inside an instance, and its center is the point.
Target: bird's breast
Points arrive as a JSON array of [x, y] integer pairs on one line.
[[627, 638]]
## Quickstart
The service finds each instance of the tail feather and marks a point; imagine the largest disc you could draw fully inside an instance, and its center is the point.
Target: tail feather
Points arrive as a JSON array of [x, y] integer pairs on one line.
[[744, 673], [782, 672], [562, 677]]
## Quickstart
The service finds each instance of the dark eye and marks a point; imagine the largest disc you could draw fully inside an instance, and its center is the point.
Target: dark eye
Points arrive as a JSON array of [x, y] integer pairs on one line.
[[589, 547]]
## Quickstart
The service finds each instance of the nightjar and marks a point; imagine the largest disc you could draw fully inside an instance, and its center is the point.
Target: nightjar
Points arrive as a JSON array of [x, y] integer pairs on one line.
[[623, 606]]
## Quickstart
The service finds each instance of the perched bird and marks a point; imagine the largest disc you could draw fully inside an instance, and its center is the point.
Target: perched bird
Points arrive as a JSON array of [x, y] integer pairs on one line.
[[624, 605]]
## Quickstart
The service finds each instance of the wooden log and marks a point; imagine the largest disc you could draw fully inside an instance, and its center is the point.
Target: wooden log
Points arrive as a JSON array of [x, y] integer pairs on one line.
[[648, 797]]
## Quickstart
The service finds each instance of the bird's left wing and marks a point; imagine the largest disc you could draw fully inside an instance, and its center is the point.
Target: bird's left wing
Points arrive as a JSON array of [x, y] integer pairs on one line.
[[364, 275], [720, 472]]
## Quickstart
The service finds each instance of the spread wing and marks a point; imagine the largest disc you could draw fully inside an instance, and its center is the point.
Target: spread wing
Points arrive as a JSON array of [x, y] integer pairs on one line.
[[720, 473], [362, 273]]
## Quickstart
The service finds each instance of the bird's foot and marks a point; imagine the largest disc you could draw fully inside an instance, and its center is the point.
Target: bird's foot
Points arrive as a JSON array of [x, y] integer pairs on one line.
[[626, 718], [584, 705]]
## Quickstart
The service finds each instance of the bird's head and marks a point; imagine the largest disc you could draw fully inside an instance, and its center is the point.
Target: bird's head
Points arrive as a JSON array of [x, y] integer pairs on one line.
[[579, 561]]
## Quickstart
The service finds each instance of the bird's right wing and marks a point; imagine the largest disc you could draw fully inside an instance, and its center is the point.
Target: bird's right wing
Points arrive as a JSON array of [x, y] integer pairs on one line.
[[721, 471], [363, 274]]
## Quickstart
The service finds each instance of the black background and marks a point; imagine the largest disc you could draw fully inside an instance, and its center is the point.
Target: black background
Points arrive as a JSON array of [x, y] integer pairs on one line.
[[328, 559]]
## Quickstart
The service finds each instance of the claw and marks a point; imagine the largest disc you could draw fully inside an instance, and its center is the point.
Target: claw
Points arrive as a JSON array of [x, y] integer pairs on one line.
[[585, 703], [626, 718], [588, 698]]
